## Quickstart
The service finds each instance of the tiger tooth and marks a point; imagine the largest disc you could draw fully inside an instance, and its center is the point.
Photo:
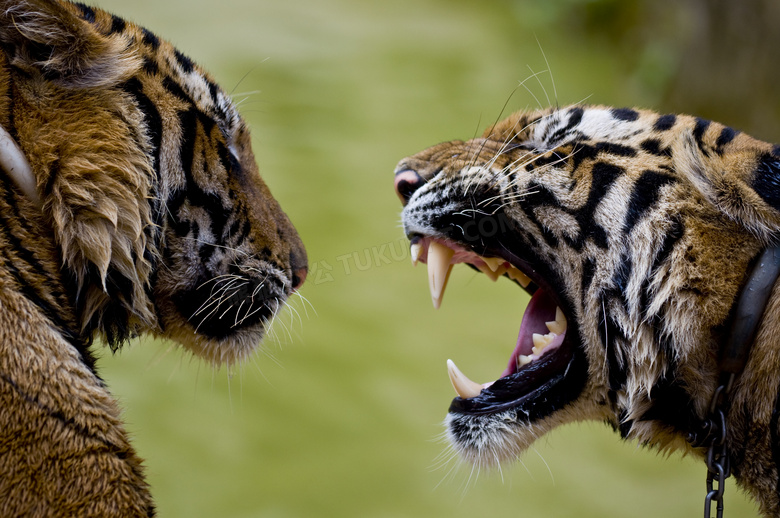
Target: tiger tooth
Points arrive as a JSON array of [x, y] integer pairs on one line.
[[518, 276], [541, 341], [523, 360], [415, 250], [493, 276], [464, 387], [558, 326], [493, 262], [439, 269]]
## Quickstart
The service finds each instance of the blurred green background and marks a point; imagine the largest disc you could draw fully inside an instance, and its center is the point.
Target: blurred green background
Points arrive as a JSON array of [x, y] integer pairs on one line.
[[340, 414]]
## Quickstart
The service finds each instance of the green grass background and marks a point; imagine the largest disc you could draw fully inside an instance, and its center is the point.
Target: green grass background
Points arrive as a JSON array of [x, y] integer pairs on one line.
[[340, 414]]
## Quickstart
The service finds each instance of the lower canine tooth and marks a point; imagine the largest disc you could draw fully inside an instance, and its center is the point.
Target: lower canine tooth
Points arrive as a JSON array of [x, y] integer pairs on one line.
[[439, 269], [464, 387], [558, 326]]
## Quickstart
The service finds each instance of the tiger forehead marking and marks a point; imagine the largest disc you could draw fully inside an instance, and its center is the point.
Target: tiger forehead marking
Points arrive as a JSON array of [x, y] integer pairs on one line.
[[146, 215], [633, 232]]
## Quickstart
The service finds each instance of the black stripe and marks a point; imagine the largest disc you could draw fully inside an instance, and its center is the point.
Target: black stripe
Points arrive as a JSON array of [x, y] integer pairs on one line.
[[698, 133], [24, 256], [575, 117], [665, 122], [86, 12], [653, 146], [188, 122], [186, 63], [588, 270], [604, 176], [150, 66], [150, 39], [151, 115], [644, 196], [726, 135], [625, 425], [177, 91], [542, 198], [615, 149], [625, 114], [621, 278], [154, 130], [611, 337], [117, 25], [766, 181]]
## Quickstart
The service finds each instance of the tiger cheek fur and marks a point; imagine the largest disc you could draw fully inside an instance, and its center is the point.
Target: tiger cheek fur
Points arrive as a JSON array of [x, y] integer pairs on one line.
[[633, 232], [236, 258], [148, 216]]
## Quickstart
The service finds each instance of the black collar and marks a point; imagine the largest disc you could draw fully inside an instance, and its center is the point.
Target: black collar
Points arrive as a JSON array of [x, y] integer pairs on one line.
[[748, 312], [746, 316]]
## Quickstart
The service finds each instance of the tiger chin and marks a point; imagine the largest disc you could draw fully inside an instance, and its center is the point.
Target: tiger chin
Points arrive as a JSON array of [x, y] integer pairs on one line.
[[130, 204], [634, 233]]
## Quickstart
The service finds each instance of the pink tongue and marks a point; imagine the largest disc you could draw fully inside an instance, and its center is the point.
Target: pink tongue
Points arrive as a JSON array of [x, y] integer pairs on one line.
[[540, 309]]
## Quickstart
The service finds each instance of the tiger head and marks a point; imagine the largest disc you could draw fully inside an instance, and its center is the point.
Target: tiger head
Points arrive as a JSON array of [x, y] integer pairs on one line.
[[146, 179], [632, 232]]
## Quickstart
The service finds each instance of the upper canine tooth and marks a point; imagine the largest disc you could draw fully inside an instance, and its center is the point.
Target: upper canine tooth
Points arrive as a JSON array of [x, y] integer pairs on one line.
[[463, 386], [415, 250], [558, 326], [493, 262], [439, 269]]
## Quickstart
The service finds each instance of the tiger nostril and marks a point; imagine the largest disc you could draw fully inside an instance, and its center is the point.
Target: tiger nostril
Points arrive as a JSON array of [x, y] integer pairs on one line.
[[298, 277], [406, 182]]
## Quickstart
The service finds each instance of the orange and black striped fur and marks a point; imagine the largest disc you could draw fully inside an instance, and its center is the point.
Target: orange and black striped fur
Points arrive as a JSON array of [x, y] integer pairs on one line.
[[634, 232], [150, 217]]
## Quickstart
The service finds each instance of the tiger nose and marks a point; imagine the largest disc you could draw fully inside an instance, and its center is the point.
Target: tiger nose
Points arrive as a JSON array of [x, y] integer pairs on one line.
[[300, 268], [406, 182]]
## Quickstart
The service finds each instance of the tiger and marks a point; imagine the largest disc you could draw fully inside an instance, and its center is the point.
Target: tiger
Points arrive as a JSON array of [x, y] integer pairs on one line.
[[633, 232], [130, 204]]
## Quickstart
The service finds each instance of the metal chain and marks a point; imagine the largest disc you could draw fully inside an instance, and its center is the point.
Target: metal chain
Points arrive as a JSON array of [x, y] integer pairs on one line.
[[718, 467]]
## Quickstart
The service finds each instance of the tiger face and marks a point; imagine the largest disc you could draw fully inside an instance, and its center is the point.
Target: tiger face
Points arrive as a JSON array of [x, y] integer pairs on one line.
[[146, 175], [633, 232]]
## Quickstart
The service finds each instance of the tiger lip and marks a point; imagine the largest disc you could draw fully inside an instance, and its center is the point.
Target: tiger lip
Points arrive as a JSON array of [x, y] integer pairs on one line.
[[441, 255]]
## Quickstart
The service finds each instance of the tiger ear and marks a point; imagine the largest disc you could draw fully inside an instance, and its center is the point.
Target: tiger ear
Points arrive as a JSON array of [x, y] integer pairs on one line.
[[740, 178], [60, 42]]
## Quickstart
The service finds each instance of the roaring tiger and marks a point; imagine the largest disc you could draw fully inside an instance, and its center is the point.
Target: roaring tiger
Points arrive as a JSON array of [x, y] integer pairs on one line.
[[130, 203], [634, 232]]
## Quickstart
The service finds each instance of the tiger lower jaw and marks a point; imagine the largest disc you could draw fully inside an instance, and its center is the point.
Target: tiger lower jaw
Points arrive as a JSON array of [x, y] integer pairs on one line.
[[546, 371], [223, 318]]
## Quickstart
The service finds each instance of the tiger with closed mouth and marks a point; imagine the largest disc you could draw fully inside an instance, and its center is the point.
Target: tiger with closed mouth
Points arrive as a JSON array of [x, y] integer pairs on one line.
[[634, 232], [130, 204]]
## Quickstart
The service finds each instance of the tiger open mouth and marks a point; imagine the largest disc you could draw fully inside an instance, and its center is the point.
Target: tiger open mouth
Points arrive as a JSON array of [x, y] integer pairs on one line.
[[546, 369]]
